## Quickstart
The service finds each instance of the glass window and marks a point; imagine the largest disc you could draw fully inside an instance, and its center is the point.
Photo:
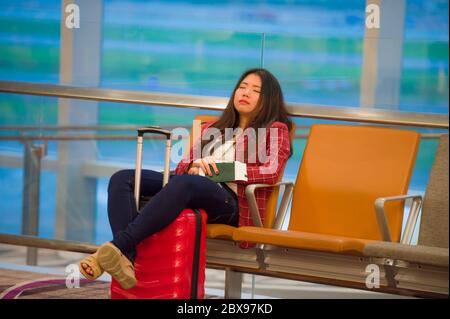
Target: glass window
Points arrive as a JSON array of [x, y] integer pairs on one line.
[[30, 41]]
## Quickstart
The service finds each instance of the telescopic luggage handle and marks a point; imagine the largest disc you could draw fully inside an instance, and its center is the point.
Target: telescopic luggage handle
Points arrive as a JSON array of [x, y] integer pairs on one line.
[[153, 130]]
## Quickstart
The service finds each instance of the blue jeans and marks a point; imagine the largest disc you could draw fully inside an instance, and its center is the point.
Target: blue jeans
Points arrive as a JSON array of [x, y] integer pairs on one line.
[[182, 191]]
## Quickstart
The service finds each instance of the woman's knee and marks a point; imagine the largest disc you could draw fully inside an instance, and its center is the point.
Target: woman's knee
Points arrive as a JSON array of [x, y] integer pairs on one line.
[[121, 178]]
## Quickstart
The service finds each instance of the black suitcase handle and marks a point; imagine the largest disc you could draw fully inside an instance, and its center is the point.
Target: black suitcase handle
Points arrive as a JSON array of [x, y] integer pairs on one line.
[[155, 130]]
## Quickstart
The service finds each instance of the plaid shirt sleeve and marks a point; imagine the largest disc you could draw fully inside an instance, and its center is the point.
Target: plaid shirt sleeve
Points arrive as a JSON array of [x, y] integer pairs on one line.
[[278, 151]]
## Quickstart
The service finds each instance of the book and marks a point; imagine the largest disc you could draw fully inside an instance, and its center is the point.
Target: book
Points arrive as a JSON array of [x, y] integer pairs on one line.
[[228, 172]]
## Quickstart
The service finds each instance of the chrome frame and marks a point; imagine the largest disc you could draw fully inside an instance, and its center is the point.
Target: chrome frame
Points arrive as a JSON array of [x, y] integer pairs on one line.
[[282, 210], [389, 264], [412, 217]]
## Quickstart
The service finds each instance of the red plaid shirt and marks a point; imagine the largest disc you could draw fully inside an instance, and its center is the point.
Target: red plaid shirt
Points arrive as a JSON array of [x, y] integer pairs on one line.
[[279, 144]]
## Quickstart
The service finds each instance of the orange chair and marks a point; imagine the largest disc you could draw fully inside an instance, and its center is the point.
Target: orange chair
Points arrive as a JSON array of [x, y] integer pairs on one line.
[[343, 171]]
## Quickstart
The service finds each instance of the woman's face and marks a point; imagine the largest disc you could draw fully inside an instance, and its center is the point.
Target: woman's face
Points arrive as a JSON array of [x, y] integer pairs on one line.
[[247, 94]]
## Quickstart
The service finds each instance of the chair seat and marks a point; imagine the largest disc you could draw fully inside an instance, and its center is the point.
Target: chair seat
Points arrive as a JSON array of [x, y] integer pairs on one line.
[[220, 231], [420, 254], [301, 240]]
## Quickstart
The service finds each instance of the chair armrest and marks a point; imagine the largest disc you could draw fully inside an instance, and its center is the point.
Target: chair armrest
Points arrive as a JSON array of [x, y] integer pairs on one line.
[[250, 195], [412, 218]]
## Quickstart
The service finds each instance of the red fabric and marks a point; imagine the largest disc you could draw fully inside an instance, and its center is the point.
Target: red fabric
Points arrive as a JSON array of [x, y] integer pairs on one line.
[[280, 145]]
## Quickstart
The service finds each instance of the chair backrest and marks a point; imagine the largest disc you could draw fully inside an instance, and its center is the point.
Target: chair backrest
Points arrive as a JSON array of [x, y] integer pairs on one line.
[[343, 170], [434, 220], [272, 202]]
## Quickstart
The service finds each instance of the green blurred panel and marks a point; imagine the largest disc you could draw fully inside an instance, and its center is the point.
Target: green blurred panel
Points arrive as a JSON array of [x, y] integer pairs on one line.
[[180, 36], [428, 87], [190, 61], [31, 47], [430, 50], [28, 110], [31, 27], [316, 69], [36, 59], [176, 61], [119, 113], [172, 68], [321, 44]]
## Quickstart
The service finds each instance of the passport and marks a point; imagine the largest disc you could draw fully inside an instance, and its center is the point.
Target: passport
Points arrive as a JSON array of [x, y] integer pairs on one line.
[[228, 172]]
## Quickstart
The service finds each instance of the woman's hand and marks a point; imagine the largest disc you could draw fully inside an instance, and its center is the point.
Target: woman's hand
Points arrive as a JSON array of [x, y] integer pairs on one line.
[[203, 163], [193, 171]]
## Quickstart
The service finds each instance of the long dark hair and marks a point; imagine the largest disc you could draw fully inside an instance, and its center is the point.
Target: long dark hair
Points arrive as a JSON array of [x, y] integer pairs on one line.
[[270, 107]]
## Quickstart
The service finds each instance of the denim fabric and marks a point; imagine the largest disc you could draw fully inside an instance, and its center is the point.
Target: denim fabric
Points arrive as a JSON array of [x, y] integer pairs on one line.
[[182, 191]]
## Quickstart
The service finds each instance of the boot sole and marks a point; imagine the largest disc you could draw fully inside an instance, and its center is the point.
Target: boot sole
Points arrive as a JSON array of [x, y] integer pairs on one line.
[[113, 262]]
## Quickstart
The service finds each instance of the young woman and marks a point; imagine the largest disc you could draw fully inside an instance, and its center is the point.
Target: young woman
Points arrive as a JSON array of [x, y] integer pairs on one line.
[[256, 103]]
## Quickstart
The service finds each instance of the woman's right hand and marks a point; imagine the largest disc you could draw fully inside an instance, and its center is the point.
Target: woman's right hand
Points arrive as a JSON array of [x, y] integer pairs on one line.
[[203, 164]]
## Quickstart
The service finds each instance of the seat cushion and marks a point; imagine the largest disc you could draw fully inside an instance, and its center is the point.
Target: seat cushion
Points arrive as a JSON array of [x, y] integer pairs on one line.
[[301, 240]]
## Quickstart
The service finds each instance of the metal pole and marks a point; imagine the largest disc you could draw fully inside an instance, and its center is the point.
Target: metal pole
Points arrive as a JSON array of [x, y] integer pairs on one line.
[[253, 287], [233, 284], [137, 182], [167, 162], [263, 45], [30, 198]]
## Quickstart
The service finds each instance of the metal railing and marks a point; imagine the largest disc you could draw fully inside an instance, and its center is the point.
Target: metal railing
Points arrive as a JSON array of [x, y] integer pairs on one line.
[[55, 244], [353, 114]]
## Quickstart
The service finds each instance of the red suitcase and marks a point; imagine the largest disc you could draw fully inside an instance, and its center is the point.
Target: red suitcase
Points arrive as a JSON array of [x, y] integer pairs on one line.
[[171, 263]]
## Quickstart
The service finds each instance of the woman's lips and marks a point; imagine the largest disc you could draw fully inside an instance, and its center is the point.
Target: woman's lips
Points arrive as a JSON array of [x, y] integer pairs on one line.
[[243, 102]]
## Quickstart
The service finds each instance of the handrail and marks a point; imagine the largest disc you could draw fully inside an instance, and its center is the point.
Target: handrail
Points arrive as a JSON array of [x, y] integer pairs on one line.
[[84, 137], [76, 127], [46, 243], [353, 114], [79, 137]]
